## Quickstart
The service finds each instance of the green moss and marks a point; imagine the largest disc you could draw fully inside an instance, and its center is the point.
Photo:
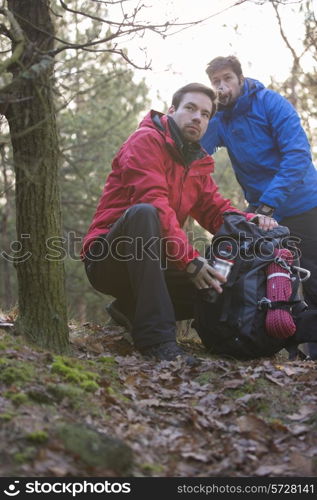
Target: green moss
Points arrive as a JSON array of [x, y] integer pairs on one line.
[[25, 456], [94, 448], [37, 437], [273, 403], [6, 416], [16, 372], [19, 398], [39, 395], [206, 378], [75, 373], [107, 366], [61, 391], [112, 391], [10, 341], [89, 386], [154, 468], [107, 361], [239, 392], [75, 396]]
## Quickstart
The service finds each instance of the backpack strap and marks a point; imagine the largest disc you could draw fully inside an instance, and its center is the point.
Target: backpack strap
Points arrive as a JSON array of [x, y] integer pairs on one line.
[[226, 305], [266, 304]]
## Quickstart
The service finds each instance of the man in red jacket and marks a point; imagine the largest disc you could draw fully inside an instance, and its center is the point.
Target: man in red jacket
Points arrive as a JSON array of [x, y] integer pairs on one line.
[[135, 248]]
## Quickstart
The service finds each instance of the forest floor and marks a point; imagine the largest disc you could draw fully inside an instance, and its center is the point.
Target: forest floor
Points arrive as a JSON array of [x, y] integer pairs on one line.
[[105, 411]]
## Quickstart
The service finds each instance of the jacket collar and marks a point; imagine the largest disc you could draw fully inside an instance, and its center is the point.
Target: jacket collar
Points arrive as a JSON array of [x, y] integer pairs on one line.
[[185, 152], [243, 104]]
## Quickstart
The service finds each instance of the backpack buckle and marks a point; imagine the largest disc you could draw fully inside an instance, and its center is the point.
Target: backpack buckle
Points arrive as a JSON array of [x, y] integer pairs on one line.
[[264, 304], [281, 262]]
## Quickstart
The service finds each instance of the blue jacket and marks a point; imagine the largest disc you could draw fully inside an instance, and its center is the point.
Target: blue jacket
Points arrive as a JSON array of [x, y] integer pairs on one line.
[[268, 149]]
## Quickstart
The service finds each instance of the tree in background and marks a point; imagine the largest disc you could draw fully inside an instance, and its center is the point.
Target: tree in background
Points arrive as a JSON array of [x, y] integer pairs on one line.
[[104, 107], [300, 87], [27, 103], [7, 211]]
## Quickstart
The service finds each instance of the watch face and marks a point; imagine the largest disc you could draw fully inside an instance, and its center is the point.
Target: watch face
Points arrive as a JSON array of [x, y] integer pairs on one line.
[[266, 210]]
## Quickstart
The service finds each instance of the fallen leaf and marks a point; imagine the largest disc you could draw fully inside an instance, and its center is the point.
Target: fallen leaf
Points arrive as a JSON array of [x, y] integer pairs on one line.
[[233, 384], [56, 470], [290, 371], [196, 456], [304, 413], [274, 380], [268, 470], [248, 397], [297, 430], [301, 464], [149, 402], [254, 427], [225, 409]]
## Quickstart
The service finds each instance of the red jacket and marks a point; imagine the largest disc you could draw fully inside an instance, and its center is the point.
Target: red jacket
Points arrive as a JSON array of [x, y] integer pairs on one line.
[[149, 168]]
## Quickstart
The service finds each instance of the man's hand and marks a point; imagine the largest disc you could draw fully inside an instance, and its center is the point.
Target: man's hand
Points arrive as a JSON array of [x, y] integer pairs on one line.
[[203, 275], [264, 222]]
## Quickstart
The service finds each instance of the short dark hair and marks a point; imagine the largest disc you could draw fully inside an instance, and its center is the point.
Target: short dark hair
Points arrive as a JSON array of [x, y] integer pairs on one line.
[[195, 87], [223, 62]]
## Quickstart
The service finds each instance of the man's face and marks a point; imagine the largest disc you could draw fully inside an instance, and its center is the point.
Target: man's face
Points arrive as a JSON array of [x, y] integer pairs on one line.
[[227, 85], [192, 115]]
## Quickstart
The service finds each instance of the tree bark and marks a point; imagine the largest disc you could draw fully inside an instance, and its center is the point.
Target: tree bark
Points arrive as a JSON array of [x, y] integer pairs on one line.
[[7, 293], [42, 316]]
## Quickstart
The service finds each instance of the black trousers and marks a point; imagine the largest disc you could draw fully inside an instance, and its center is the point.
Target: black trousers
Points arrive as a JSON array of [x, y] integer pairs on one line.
[[128, 263], [304, 227]]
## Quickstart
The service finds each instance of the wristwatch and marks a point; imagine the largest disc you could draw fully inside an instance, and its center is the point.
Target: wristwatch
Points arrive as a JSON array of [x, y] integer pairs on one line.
[[265, 210]]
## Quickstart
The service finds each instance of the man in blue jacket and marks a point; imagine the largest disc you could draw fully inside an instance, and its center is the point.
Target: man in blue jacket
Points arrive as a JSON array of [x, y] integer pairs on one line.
[[270, 155]]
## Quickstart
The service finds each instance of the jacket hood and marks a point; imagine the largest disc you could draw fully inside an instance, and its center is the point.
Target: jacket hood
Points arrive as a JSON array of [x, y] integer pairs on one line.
[[243, 103], [186, 152], [155, 119]]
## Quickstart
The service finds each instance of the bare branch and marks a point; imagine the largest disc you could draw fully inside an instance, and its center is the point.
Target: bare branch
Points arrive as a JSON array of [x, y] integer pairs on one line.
[[121, 53], [280, 2], [17, 36], [283, 35], [127, 26], [67, 45], [294, 78], [85, 14], [113, 2], [199, 21]]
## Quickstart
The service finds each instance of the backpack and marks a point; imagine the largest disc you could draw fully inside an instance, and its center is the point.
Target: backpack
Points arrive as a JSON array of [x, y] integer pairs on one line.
[[236, 323]]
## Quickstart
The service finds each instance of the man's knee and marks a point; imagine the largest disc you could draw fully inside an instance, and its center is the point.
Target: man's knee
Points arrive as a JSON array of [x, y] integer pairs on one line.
[[142, 209]]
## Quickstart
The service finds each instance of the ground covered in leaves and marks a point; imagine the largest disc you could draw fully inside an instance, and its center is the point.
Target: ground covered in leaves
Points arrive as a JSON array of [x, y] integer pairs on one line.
[[105, 411]]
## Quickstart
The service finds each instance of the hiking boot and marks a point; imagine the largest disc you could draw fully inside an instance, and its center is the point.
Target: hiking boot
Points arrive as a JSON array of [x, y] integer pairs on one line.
[[114, 311], [168, 351]]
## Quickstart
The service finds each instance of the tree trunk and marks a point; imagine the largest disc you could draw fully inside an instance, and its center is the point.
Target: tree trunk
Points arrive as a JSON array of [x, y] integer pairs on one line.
[[42, 316], [7, 294]]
